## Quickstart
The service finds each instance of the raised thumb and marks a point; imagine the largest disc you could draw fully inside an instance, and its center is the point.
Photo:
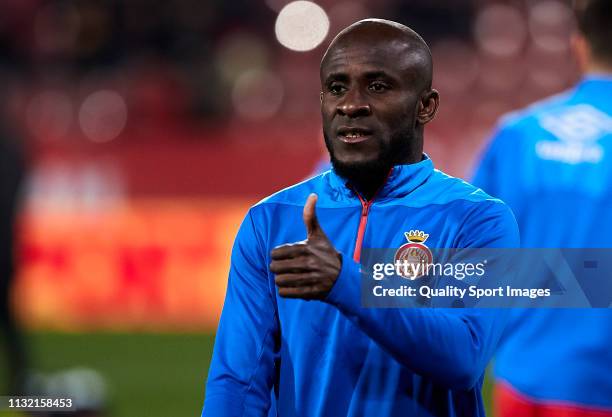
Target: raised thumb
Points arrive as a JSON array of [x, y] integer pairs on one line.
[[310, 216]]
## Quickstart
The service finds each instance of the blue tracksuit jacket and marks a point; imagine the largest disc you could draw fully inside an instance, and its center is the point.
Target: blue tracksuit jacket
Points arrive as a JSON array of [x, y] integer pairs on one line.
[[552, 164], [334, 358]]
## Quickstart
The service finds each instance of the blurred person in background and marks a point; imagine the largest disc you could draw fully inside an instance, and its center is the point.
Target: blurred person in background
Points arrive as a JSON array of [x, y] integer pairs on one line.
[[552, 163], [12, 170], [294, 337]]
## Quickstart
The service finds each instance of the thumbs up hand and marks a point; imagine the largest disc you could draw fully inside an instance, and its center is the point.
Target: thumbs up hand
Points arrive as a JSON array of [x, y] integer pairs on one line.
[[307, 269]]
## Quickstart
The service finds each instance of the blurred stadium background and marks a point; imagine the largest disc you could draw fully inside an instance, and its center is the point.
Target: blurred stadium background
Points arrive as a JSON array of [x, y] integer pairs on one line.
[[151, 126]]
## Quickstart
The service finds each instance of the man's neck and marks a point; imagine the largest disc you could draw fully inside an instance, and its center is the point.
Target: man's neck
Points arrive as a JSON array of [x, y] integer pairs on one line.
[[367, 183], [599, 68], [368, 187]]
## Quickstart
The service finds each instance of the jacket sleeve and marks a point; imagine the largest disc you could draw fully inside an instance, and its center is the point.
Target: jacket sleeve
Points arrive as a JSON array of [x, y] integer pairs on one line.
[[450, 346], [241, 374]]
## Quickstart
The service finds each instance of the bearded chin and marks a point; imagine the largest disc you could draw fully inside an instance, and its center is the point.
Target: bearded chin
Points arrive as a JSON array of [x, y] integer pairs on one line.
[[371, 174]]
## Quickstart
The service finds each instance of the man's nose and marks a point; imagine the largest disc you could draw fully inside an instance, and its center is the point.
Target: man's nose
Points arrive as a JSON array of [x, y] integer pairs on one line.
[[354, 105]]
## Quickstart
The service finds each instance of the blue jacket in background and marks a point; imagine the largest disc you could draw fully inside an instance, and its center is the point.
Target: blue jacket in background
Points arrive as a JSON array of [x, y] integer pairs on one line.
[[552, 164], [335, 358]]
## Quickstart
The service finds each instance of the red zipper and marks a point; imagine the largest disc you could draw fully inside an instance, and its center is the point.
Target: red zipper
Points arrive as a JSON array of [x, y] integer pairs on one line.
[[365, 210]]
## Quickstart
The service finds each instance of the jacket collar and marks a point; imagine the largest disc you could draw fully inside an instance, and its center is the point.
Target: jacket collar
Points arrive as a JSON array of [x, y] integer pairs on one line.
[[402, 180], [599, 84]]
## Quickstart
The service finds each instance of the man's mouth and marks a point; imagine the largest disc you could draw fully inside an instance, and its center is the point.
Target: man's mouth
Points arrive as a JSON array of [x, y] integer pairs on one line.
[[353, 134]]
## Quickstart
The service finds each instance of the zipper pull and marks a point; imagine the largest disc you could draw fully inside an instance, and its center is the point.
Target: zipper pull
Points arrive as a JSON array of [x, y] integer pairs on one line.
[[365, 208]]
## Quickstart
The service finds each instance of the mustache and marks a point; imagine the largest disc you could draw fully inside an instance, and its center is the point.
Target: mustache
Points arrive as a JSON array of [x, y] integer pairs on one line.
[[390, 152], [362, 173]]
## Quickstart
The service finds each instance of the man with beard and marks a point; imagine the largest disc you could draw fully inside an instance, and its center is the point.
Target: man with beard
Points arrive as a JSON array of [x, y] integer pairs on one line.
[[294, 339]]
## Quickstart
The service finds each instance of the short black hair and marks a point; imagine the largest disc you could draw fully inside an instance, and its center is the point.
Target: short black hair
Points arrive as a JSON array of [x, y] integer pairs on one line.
[[594, 19]]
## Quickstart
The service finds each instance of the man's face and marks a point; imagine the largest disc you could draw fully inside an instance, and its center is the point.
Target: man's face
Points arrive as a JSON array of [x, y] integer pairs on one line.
[[369, 103]]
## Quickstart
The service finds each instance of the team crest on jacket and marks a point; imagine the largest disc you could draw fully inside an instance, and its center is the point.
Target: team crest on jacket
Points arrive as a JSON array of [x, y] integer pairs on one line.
[[415, 254]]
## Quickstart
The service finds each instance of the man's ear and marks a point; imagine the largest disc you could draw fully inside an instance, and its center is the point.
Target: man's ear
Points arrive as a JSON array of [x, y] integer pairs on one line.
[[321, 96], [582, 51], [428, 106]]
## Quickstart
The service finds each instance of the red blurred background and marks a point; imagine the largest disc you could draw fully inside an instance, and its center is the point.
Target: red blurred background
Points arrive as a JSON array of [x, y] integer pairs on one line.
[[151, 126]]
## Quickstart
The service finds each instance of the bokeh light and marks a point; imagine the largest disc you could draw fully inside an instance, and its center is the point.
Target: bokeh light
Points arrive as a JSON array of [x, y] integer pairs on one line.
[[239, 52], [301, 25], [500, 30], [550, 25], [257, 95], [103, 115]]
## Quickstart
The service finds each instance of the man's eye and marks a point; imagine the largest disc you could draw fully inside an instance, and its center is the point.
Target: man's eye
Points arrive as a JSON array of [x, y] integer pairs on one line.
[[336, 89], [379, 87]]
